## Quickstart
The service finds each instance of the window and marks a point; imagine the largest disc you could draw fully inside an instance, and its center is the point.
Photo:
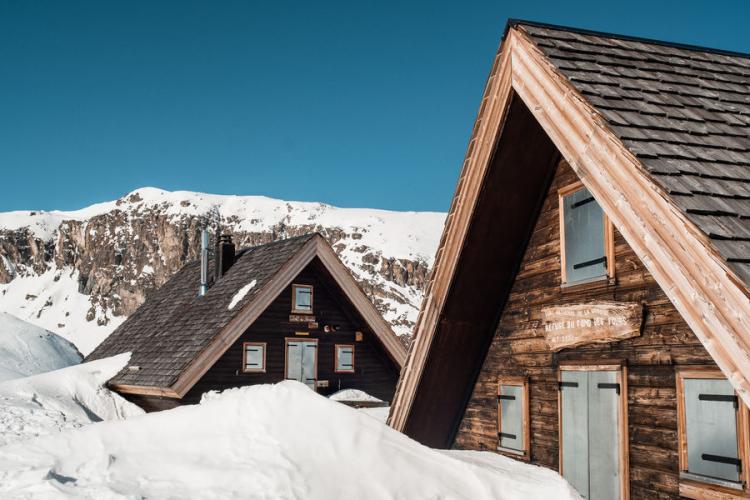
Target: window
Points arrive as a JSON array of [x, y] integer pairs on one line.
[[344, 358], [585, 236], [302, 299], [712, 427], [254, 357], [513, 416]]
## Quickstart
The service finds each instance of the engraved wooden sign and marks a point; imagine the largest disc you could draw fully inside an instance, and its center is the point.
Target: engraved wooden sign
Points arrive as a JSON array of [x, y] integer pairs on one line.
[[301, 318], [592, 322]]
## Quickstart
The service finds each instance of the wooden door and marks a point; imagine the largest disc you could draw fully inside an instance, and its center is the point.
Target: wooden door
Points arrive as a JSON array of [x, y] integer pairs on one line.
[[302, 361], [591, 432]]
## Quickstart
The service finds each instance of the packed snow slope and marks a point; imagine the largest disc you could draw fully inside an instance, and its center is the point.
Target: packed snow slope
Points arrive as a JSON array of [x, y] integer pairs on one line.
[[261, 442], [27, 349], [81, 273], [63, 399]]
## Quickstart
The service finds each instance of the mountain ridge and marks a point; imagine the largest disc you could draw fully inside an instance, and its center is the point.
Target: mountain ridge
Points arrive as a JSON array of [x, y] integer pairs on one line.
[[81, 272]]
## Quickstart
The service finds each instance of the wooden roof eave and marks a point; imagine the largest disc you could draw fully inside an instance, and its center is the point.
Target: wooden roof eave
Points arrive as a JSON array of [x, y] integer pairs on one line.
[[706, 292], [316, 247], [486, 130]]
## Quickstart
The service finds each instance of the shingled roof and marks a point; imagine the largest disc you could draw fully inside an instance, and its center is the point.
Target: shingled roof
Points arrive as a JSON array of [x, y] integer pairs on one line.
[[174, 326], [683, 111], [657, 132]]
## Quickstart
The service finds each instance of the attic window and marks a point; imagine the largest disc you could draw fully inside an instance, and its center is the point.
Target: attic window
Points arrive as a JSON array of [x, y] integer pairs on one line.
[[302, 299], [254, 357], [586, 237], [712, 428]]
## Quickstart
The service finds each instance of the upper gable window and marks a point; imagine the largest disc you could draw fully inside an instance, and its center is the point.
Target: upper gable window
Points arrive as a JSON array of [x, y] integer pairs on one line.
[[585, 236], [302, 299]]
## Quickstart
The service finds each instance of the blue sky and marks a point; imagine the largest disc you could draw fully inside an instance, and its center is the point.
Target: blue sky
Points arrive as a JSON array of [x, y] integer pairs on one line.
[[357, 104]]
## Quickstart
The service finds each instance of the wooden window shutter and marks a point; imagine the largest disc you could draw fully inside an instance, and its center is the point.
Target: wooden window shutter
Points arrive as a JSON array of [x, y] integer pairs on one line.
[[585, 252], [711, 429]]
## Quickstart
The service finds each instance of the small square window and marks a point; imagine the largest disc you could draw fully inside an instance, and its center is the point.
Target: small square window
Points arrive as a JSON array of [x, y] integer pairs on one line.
[[344, 358], [302, 299], [711, 419], [585, 236], [254, 357], [513, 416]]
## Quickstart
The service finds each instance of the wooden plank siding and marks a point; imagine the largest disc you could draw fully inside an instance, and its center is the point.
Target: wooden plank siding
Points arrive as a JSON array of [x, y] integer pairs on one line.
[[375, 373], [518, 349]]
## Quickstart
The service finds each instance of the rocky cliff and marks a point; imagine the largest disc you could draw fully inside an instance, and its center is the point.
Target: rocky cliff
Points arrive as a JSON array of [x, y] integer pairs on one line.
[[81, 273]]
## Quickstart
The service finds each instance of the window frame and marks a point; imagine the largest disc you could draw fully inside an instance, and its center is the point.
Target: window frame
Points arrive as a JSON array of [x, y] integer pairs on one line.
[[336, 348], [609, 238], [264, 345], [296, 310], [518, 381], [693, 486]]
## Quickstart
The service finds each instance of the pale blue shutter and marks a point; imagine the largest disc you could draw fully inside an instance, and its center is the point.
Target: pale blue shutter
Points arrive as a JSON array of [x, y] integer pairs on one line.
[[585, 255], [604, 439], [345, 358], [511, 432], [711, 428], [309, 356], [575, 429], [254, 357], [294, 361]]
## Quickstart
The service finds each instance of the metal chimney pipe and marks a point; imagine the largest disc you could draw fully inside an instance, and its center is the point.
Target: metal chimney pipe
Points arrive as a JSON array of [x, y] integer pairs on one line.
[[204, 263]]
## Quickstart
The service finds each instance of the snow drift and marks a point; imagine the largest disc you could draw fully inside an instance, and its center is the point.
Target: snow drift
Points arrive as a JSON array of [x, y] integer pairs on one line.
[[62, 399], [27, 349], [269, 441]]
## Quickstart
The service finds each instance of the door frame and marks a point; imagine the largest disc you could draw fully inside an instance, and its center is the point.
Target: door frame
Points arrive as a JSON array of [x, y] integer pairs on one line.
[[622, 377], [286, 356]]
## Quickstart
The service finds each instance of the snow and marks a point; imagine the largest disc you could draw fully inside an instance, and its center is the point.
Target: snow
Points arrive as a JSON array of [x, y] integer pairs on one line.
[[51, 300], [278, 441], [353, 395], [237, 297], [63, 399], [26, 349]]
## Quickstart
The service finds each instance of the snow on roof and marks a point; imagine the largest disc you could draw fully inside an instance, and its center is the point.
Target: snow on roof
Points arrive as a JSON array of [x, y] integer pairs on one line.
[[264, 441], [353, 395], [241, 294]]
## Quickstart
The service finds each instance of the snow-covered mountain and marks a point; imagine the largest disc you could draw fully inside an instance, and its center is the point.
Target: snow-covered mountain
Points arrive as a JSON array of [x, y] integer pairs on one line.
[[27, 349], [80, 273]]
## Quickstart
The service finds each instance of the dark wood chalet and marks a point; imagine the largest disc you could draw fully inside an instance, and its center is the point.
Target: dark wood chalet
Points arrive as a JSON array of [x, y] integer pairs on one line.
[[284, 310], [589, 308]]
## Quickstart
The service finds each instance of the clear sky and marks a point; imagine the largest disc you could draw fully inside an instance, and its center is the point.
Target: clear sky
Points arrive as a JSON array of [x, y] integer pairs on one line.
[[357, 104]]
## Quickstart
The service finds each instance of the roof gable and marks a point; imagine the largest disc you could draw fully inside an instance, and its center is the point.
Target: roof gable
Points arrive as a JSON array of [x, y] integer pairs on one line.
[[684, 257], [175, 336], [684, 112]]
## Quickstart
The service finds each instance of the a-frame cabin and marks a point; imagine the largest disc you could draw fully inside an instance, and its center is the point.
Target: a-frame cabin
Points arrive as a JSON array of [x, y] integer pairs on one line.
[[289, 309], [589, 307]]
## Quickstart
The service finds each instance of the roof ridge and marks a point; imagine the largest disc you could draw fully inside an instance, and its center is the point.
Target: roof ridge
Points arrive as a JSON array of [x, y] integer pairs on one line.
[[513, 22], [280, 241]]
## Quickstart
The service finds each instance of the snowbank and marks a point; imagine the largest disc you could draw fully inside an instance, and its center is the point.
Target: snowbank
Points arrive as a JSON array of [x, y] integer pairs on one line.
[[63, 399], [271, 441], [27, 349]]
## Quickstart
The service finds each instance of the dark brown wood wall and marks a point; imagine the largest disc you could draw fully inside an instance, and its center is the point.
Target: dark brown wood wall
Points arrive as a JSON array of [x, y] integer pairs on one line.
[[518, 348], [375, 373]]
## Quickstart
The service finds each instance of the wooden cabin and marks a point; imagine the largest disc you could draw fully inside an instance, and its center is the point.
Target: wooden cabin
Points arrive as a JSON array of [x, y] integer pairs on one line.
[[589, 307], [284, 310]]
